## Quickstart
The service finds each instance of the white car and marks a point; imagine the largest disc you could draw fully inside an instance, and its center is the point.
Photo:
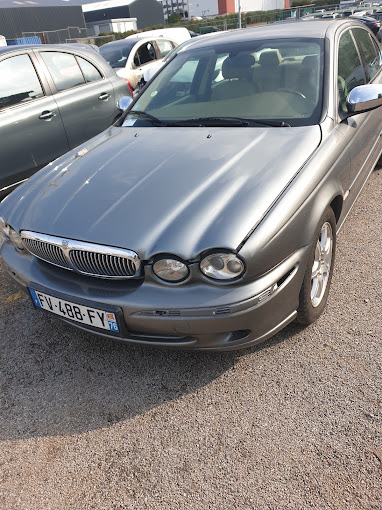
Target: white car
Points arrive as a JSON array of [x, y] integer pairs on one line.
[[176, 34], [131, 57], [153, 69]]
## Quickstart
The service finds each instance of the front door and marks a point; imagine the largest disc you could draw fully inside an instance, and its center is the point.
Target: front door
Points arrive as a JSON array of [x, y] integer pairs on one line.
[[358, 64]]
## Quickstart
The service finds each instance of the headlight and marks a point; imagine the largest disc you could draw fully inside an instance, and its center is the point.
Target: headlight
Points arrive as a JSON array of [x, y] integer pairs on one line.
[[15, 239], [222, 266], [4, 229], [170, 270]]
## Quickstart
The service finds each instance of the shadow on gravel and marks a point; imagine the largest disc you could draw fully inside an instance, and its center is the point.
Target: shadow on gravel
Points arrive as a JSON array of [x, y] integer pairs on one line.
[[56, 380]]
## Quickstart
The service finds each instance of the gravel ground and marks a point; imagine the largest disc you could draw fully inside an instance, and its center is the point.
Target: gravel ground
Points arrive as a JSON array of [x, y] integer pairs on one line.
[[294, 423]]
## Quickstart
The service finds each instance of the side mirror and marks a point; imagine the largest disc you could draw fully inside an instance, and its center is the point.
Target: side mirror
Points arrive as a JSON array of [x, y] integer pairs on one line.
[[124, 103], [364, 98]]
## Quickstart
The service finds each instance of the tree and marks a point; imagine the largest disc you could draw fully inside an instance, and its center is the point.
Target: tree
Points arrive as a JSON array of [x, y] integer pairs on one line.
[[174, 18]]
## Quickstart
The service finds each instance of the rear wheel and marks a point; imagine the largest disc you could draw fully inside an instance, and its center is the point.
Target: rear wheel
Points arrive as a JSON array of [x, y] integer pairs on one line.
[[318, 275]]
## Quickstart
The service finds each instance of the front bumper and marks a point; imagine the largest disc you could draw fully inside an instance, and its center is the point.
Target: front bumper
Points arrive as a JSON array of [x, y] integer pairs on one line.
[[201, 315]]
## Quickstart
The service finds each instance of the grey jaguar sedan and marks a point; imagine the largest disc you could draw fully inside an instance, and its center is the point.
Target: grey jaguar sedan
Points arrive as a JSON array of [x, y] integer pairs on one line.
[[207, 218]]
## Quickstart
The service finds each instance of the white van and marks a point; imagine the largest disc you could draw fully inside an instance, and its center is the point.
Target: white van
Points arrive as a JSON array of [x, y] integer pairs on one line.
[[3, 41], [177, 34]]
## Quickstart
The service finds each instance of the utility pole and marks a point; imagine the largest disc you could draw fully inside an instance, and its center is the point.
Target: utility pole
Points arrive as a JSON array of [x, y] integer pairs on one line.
[[239, 13]]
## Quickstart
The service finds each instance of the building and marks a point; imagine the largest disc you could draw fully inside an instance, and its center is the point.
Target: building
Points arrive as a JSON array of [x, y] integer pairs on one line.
[[180, 7], [18, 18], [206, 8], [147, 12], [55, 21], [111, 25], [262, 5]]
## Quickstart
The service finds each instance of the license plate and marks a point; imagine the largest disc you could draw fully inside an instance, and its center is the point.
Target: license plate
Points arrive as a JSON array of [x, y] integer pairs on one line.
[[95, 317]]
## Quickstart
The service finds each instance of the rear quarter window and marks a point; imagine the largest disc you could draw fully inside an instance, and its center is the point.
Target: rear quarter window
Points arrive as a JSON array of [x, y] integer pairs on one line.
[[90, 72]]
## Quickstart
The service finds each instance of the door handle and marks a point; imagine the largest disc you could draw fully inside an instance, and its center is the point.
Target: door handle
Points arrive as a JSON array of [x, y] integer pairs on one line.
[[47, 115], [104, 96]]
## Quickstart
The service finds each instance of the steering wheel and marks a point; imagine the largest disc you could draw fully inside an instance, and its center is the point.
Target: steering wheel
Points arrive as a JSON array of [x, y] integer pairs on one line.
[[291, 91]]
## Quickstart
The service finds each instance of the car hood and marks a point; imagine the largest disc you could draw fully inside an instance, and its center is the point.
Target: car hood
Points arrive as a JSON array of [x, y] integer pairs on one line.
[[163, 190]]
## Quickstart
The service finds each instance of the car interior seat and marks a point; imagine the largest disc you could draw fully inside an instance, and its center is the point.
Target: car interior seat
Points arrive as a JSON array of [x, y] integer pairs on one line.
[[309, 77], [267, 76], [237, 78]]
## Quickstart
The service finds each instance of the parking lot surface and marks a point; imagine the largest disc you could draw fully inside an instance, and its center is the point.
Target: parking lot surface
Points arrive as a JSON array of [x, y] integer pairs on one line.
[[293, 423]]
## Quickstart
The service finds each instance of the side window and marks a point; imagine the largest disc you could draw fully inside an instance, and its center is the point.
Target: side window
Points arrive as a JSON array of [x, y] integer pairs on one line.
[[350, 69], [369, 53], [64, 69], [146, 53], [164, 46], [90, 72], [19, 82]]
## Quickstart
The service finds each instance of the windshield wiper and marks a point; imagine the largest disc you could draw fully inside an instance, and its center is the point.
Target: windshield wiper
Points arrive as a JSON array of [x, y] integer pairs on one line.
[[208, 121], [227, 121], [148, 116]]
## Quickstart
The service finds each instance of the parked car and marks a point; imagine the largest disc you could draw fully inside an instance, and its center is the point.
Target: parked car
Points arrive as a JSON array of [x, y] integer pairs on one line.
[[152, 70], [130, 58], [176, 34], [373, 24], [208, 29], [52, 98], [207, 217]]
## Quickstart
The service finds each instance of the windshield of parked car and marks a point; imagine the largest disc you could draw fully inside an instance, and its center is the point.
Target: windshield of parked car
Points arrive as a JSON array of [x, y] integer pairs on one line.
[[278, 81], [117, 53]]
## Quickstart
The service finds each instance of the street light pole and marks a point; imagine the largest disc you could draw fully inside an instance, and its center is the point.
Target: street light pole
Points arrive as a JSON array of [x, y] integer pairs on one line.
[[239, 14]]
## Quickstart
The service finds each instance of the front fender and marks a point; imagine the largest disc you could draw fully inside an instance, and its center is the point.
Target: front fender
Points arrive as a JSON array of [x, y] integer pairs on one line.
[[292, 221]]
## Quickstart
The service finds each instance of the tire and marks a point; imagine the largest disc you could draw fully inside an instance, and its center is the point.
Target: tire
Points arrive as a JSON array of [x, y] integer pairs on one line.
[[318, 275]]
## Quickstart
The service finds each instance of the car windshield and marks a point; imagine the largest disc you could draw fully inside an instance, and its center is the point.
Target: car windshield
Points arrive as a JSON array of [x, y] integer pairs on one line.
[[117, 53], [275, 81]]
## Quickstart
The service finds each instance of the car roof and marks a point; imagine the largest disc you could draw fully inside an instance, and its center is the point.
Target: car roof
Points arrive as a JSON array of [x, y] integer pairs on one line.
[[312, 29], [137, 40], [72, 47]]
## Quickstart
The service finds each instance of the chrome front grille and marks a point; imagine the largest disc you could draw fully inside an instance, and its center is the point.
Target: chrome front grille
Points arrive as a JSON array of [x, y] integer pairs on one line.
[[85, 258], [108, 265], [45, 251]]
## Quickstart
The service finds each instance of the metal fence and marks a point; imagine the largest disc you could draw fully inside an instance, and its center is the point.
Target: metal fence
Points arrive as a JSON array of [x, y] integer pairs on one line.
[[98, 40], [58, 36]]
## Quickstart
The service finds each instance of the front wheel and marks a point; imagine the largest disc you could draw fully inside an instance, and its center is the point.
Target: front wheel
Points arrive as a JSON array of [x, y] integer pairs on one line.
[[318, 275]]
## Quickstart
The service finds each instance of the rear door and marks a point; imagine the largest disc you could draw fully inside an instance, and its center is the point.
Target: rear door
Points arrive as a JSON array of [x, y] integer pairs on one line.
[[31, 130], [84, 96]]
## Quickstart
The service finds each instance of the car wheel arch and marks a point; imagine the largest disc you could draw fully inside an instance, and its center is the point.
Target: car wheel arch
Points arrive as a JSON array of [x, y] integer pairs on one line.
[[336, 204]]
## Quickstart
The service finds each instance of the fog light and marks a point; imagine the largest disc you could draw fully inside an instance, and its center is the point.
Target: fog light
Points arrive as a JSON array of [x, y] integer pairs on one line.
[[16, 239]]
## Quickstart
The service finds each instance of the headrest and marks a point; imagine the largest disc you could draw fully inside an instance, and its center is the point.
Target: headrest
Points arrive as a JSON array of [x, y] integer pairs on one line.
[[270, 58], [238, 66], [310, 62]]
